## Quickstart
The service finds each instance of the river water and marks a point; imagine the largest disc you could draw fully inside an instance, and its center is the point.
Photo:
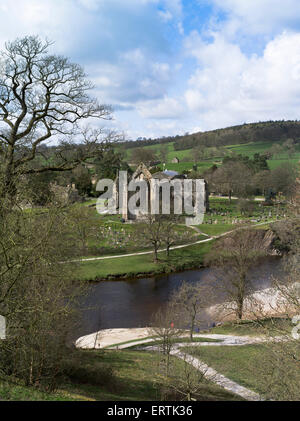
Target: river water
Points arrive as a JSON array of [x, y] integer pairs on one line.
[[132, 302]]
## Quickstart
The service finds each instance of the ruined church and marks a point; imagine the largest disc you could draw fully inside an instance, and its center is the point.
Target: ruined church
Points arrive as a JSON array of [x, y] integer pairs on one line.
[[164, 177]]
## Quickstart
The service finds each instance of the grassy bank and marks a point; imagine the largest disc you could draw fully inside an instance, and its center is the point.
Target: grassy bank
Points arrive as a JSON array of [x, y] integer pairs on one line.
[[213, 230], [274, 326], [242, 364], [110, 376], [180, 259]]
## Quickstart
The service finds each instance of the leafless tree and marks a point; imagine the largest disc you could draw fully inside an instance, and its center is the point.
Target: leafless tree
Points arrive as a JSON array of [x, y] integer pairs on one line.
[[280, 369], [83, 226], [159, 230], [278, 317], [188, 302], [144, 155], [165, 327], [231, 177], [151, 232], [44, 96], [233, 257], [186, 381], [198, 153], [169, 231], [276, 150]]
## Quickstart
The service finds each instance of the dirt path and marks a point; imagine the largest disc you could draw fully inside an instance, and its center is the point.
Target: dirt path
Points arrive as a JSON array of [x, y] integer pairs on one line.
[[93, 259], [198, 231]]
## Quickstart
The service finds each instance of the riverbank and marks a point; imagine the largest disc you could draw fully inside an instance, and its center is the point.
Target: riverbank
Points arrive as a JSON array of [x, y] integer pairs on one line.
[[141, 264], [190, 257]]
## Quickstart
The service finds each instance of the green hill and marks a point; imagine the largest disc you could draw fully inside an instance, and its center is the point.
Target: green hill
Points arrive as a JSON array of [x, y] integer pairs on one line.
[[247, 139]]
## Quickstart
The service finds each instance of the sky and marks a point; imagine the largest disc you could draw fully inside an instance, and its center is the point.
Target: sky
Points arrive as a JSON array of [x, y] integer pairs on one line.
[[168, 67]]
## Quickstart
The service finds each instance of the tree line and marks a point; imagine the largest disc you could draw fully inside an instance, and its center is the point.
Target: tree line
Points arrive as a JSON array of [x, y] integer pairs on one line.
[[277, 131]]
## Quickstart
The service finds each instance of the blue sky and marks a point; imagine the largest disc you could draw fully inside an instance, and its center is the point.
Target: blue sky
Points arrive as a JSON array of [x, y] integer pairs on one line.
[[175, 66]]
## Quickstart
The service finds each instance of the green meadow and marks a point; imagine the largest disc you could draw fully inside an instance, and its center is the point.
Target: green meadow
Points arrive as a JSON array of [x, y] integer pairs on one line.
[[248, 149]]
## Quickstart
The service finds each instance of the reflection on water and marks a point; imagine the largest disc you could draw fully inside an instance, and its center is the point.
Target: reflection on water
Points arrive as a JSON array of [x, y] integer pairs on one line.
[[130, 303]]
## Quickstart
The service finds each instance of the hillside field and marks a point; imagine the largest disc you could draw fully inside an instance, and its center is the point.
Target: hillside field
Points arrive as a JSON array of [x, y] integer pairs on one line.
[[247, 149]]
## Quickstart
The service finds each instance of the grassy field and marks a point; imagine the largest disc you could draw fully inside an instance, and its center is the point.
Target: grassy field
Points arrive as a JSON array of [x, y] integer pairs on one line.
[[217, 229], [273, 326], [110, 376], [185, 258], [274, 163], [254, 366], [247, 149], [238, 363], [111, 236], [14, 392]]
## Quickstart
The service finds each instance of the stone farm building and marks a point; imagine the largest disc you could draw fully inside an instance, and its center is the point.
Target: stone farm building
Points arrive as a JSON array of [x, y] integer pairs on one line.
[[65, 195]]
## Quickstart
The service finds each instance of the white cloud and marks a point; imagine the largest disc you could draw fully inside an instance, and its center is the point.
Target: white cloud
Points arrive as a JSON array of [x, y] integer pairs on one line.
[[90, 4], [180, 28], [259, 16], [133, 78], [119, 44], [165, 15], [174, 7], [164, 128], [127, 50], [229, 87], [167, 108]]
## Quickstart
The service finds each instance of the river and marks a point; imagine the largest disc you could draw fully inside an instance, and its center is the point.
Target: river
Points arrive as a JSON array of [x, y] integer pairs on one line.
[[131, 302]]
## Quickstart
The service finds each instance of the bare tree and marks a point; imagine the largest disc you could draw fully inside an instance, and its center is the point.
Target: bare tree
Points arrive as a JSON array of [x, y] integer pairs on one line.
[[188, 302], [282, 180], [294, 204], [280, 371], [169, 232], [276, 150], [43, 96], [233, 257], [187, 381], [144, 155], [198, 153], [165, 327], [159, 230], [278, 317], [83, 226], [232, 177], [289, 145], [151, 232]]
